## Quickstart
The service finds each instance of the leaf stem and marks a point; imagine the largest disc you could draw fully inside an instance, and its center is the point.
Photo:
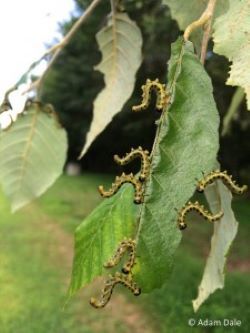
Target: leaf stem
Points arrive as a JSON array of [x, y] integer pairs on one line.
[[206, 35], [233, 108], [205, 39], [205, 18], [56, 49], [113, 6]]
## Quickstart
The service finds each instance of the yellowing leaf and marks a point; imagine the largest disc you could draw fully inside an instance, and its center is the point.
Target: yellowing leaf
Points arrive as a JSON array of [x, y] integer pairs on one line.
[[120, 43], [32, 155], [219, 197], [232, 39]]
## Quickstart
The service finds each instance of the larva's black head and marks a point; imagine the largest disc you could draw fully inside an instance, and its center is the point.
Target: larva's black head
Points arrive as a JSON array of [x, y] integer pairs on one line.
[[142, 177], [138, 200], [95, 303], [137, 291], [200, 189], [182, 225], [125, 270], [101, 190]]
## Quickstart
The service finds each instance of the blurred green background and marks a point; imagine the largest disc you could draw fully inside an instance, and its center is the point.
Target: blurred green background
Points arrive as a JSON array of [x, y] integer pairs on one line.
[[36, 244]]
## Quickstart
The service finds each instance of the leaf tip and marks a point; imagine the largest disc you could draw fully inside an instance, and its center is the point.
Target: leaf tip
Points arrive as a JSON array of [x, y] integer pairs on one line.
[[196, 305]]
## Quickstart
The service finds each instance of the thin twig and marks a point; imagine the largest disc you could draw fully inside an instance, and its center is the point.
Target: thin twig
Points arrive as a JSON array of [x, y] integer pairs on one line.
[[113, 6], [10, 90], [56, 49], [206, 35], [205, 17], [236, 101], [205, 40]]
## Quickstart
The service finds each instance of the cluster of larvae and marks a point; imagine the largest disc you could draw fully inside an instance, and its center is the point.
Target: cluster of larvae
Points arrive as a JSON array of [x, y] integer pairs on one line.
[[138, 183], [202, 184], [130, 178], [125, 277]]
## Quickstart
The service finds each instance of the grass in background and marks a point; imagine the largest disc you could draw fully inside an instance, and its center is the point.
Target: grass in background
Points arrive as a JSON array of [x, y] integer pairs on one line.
[[36, 249], [73, 198], [35, 263]]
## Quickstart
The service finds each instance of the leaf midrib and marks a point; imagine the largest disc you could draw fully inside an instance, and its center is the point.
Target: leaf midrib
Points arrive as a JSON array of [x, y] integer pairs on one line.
[[24, 156], [114, 54], [156, 141]]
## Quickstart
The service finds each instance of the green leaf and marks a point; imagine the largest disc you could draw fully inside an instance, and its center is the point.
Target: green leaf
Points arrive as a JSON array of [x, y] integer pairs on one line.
[[120, 43], [232, 39], [225, 230], [186, 146], [98, 236], [185, 12], [33, 153]]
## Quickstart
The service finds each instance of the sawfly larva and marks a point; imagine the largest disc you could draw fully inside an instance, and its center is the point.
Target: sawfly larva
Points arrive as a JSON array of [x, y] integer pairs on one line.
[[125, 245], [225, 178], [136, 153], [200, 210], [119, 181], [110, 283], [161, 95]]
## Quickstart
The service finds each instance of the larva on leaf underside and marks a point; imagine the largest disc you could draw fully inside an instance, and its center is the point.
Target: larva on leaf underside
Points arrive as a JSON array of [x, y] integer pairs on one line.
[[200, 210], [111, 282], [225, 178], [125, 245], [136, 153], [161, 95]]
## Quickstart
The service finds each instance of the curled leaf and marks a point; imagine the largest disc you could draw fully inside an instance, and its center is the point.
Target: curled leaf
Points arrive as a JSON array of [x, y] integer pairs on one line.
[[225, 230]]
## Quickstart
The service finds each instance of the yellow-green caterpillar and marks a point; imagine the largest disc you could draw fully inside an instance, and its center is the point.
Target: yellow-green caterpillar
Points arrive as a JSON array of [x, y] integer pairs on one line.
[[136, 153], [200, 210], [119, 181], [162, 96], [125, 245], [110, 283], [225, 178]]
